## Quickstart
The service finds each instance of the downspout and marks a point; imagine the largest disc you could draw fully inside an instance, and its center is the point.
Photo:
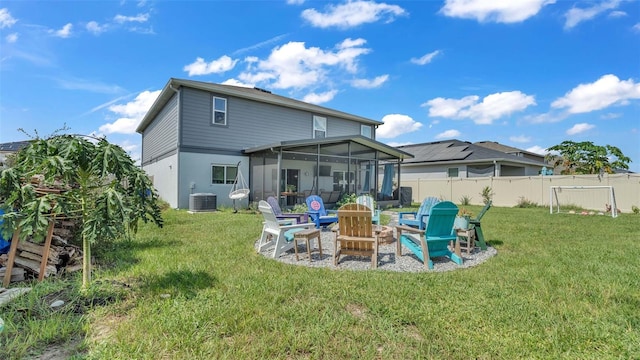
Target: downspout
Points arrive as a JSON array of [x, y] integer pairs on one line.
[[178, 137]]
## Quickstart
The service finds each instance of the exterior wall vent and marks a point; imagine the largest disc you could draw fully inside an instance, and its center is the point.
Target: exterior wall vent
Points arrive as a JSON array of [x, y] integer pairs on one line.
[[202, 202]]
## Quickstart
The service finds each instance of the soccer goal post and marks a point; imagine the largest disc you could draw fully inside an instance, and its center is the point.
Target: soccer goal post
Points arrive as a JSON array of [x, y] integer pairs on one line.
[[585, 196]]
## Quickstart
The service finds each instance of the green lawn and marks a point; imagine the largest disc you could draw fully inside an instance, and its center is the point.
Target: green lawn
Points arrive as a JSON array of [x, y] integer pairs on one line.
[[561, 286]]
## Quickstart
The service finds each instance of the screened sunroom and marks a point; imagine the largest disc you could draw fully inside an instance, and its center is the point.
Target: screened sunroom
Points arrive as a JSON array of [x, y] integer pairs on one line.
[[328, 167]]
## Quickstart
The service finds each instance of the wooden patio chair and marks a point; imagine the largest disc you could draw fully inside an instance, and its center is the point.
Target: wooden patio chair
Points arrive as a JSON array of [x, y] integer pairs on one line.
[[367, 200], [274, 232], [355, 234], [434, 240], [475, 225], [419, 218]]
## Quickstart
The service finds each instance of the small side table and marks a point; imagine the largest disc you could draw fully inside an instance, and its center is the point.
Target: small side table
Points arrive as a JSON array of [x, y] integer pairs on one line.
[[466, 239], [307, 236]]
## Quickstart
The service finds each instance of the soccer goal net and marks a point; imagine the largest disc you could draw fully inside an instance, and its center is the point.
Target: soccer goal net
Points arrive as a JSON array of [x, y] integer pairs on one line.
[[582, 200]]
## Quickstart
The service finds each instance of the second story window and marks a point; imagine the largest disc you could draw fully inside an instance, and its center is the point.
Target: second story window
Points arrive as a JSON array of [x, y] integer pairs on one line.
[[319, 127], [365, 130], [219, 111], [452, 172]]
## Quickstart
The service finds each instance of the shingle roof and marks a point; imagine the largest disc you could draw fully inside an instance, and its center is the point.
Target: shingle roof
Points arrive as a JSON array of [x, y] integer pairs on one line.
[[458, 151], [13, 146], [504, 148]]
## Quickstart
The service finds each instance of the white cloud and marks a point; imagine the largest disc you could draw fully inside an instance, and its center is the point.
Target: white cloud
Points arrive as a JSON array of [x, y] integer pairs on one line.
[[324, 97], [606, 91], [520, 139], [580, 128], [492, 107], [140, 18], [395, 125], [575, 15], [200, 67], [636, 27], [95, 28], [370, 84], [12, 38], [64, 32], [396, 144], [293, 65], [425, 59], [617, 14], [295, 2], [130, 113], [449, 134], [494, 11], [352, 14], [537, 150], [235, 82], [260, 44], [610, 116], [70, 83], [6, 20]]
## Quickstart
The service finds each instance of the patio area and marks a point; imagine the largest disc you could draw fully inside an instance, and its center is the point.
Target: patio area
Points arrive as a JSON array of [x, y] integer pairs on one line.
[[387, 259]]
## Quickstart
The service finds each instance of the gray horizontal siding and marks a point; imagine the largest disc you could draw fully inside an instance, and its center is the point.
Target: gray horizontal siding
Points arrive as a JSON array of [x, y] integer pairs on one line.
[[249, 123], [160, 138]]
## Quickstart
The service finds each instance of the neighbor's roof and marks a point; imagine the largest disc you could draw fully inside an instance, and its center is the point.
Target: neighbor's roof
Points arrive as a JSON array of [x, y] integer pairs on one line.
[[13, 146], [504, 148], [459, 152], [390, 151], [254, 94]]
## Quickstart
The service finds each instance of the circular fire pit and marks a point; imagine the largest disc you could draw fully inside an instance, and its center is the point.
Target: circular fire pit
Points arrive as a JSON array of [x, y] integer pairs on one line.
[[386, 234]]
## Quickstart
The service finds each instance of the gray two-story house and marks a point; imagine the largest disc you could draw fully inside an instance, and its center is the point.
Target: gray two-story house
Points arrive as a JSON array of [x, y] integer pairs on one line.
[[201, 137]]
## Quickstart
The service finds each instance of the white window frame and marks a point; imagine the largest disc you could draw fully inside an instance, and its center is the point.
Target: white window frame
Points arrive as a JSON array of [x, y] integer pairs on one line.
[[319, 125], [366, 131], [226, 168], [215, 111]]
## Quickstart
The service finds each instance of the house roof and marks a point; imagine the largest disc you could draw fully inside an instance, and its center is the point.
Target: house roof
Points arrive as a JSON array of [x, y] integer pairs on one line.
[[389, 152], [456, 151], [504, 148], [13, 146], [254, 94]]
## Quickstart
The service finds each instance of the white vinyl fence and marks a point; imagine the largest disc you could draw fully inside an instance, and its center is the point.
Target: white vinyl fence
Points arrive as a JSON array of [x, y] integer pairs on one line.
[[509, 190]]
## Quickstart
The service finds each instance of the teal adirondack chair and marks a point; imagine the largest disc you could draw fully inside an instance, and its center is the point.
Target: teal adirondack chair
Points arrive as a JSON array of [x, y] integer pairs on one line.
[[318, 214], [475, 224], [420, 218], [367, 200], [434, 240]]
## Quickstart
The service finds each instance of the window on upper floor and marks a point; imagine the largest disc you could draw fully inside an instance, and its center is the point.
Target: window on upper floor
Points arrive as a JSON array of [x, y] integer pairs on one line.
[[223, 174], [219, 111], [452, 172], [365, 130], [319, 127]]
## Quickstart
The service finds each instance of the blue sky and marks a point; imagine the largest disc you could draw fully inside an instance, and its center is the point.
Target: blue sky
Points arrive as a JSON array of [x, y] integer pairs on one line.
[[528, 74]]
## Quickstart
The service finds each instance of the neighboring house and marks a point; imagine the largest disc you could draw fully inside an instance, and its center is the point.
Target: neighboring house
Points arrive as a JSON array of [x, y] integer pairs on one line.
[[455, 158], [8, 149], [198, 136]]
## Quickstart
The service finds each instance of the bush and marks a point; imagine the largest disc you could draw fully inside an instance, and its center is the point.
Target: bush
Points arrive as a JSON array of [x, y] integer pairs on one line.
[[525, 203], [487, 194], [465, 200], [347, 199], [635, 209]]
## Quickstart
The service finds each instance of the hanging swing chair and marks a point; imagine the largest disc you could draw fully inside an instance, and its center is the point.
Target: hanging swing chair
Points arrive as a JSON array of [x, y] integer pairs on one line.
[[239, 190]]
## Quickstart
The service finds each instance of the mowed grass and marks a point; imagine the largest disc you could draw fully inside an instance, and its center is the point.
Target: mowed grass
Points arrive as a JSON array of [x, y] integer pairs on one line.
[[561, 286]]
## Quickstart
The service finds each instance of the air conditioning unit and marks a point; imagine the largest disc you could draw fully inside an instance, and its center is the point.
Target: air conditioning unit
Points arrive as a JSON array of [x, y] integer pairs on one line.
[[202, 202]]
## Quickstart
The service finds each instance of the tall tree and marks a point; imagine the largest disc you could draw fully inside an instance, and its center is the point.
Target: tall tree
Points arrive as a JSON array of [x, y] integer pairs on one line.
[[587, 158], [97, 184]]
